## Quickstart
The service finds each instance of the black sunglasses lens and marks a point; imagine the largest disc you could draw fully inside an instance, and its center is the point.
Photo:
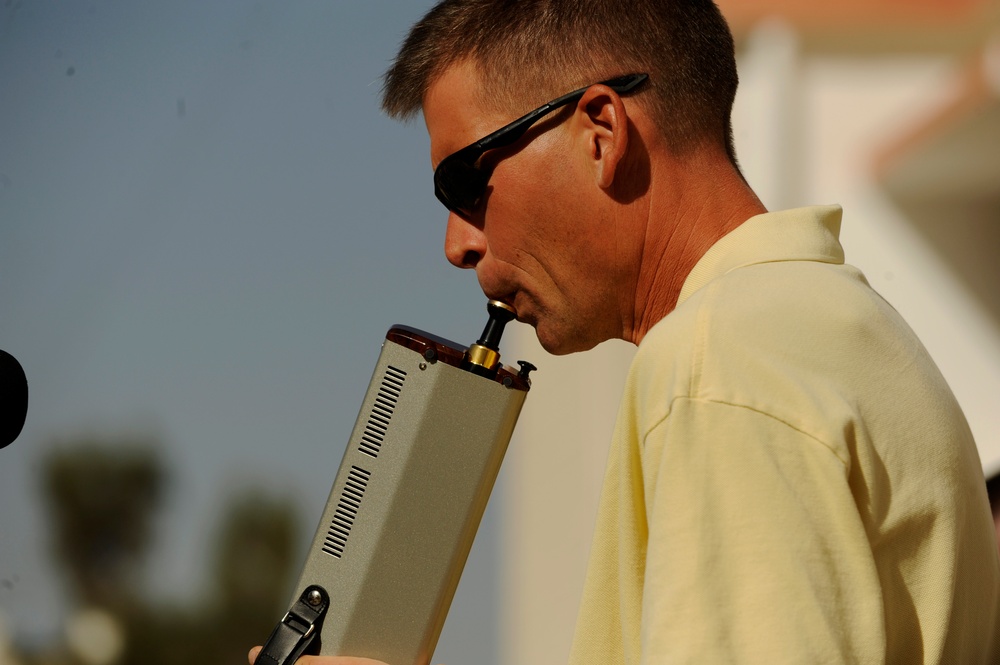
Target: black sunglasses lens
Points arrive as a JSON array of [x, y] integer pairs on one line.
[[459, 185]]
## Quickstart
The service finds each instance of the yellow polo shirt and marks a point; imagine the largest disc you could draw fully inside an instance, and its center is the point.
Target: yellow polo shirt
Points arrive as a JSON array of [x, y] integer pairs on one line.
[[791, 479]]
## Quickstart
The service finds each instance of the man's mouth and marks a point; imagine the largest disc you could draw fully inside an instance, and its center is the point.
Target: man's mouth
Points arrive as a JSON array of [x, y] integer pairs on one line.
[[522, 305], [508, 293], [510, 298], [506, 297]]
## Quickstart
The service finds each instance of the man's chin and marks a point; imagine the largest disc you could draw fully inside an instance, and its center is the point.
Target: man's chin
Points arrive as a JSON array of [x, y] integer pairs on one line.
[[554, 333], [562, 343]]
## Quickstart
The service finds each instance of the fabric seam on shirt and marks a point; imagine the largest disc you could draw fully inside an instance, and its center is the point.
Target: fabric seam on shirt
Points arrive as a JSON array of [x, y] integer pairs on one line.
[[736, 405]]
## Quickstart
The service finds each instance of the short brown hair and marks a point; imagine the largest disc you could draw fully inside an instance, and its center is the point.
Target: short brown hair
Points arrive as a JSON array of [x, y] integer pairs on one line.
[[529, 51]]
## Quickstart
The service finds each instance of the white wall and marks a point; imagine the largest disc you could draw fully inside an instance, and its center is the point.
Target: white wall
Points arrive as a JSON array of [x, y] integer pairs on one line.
[[552, 477]]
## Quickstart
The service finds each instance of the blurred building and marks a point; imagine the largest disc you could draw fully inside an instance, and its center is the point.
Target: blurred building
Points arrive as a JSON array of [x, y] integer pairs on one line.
[[890, 108]]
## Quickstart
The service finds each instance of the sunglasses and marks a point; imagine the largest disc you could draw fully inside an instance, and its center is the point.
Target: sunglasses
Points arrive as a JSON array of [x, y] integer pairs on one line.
[[460, 183]]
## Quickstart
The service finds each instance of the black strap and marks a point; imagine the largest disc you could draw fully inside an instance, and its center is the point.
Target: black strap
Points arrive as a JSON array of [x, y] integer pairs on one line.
[[297, 630]]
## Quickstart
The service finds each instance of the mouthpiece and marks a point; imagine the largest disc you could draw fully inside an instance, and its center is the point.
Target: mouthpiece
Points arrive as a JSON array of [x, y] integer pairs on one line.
[[483, 357]]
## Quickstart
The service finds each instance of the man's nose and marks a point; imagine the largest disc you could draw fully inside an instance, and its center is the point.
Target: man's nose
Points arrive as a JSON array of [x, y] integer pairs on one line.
[[464, 242]]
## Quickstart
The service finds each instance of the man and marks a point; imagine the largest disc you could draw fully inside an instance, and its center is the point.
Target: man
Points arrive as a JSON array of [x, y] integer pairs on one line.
[[790, 481]]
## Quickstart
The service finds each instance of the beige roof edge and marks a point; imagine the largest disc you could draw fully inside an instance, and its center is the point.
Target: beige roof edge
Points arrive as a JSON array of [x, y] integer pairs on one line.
[[871, 27], [977, 88]]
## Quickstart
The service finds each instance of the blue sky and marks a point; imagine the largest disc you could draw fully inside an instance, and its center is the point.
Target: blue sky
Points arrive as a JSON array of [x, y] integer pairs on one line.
[[206, 228]]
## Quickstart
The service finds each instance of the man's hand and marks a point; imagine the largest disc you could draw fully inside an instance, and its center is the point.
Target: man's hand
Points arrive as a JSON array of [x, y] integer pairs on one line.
[[323, 660]]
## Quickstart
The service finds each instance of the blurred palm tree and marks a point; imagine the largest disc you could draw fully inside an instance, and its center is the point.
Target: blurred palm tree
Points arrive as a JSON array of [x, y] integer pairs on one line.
[[102, 500], [103, 497]]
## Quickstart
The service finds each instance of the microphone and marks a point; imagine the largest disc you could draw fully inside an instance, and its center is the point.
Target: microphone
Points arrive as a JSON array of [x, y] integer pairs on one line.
[[13, 398]]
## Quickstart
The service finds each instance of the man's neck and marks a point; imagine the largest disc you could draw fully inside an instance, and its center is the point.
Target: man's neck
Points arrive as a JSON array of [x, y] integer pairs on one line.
[[699, 201]]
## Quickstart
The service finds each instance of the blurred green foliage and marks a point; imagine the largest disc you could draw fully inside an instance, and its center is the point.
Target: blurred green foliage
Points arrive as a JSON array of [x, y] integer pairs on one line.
[[103, 498]]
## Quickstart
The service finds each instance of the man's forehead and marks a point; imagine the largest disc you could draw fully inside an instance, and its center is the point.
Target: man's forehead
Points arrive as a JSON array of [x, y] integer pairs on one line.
[[453, 111]]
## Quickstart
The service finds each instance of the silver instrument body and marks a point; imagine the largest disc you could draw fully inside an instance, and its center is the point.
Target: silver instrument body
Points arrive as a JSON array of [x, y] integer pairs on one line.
[[406, 503]]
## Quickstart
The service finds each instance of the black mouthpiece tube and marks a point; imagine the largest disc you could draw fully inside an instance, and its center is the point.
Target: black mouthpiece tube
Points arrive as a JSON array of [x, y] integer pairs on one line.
[[500, 314]]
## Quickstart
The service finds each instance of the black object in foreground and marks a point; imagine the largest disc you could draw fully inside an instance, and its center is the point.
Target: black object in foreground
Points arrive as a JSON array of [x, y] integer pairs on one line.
[[13, 398]]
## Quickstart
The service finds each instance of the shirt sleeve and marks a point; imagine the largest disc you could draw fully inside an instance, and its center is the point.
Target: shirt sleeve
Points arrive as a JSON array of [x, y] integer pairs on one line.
[[756, 551]]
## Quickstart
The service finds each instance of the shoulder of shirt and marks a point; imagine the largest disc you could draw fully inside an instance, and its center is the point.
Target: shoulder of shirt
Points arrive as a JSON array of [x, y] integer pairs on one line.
[[783, 338]]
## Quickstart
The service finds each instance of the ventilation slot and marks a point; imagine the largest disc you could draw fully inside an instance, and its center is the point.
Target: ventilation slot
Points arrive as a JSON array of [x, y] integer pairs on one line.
[[385, 404], [346, 512]]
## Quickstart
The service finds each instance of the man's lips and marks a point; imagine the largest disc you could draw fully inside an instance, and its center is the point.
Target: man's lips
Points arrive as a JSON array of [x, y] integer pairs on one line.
[[496, 287], [521, 304], [506, 297]]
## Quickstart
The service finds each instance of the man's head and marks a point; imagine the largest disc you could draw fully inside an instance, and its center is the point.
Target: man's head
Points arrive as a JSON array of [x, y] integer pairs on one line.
[[559, 226], [530, 51]]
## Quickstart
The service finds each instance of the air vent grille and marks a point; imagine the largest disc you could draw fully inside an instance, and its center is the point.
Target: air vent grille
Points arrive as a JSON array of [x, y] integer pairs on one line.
[[346, 512], [385, 403]]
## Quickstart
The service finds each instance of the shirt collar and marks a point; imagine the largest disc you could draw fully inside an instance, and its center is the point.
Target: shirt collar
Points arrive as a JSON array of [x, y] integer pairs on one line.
[[801, 234]]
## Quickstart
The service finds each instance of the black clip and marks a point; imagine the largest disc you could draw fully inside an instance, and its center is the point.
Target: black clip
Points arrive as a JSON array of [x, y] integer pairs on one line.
[[297, 630]]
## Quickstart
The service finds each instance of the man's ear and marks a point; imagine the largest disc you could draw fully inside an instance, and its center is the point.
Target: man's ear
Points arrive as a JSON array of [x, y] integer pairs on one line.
[[604, 121]]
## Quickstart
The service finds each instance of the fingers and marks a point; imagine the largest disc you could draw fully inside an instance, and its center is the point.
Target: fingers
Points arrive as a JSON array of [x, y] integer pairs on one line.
[[336, 660], [321, 660]]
